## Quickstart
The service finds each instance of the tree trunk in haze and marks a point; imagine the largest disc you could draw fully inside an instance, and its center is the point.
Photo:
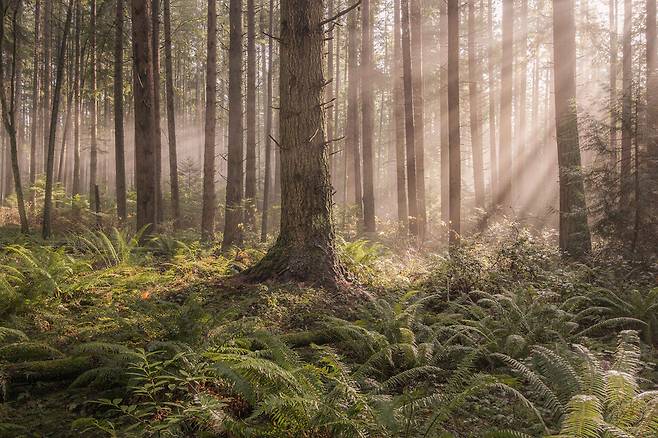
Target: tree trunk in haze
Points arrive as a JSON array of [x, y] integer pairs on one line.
[[520, 138], [330, 96], [119, 148], [416, 30], [50, 156], [367, 71], [47, 55], [9, 110], [506, 84], [352, 130], [171, 116], [157, 131], [612, 15], [574, 231], [410, 128], [268, 131], [34, 133], [398, 119], [305, 249], [652, 109], [93, 152], [453, 122], [474, 108], [75, 189], [443, 105], [627, 106], [250, 174], [493, 156], [234, 184], [208, 213], [143, 113]]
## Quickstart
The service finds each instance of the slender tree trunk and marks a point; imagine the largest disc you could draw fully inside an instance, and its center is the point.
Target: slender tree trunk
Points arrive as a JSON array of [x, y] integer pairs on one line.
[[268, 131], [234, 186], [171, 116], [493, 156], [367, 118], [352, 133], [410, 128], [612, 12], [144, 116], [419, 109], [474, 108], [208, 214], [9, 109], [520, 140], [627, 106], [50, 157], [453, 121], [119, 153], [157, 131], [47, 55], [35, 98], [574, 231], [443, 105], [75, 189], [93, 159], [67, 120], [398, 116], [329, 100], [305, 250], [506, 83], [250, 173]]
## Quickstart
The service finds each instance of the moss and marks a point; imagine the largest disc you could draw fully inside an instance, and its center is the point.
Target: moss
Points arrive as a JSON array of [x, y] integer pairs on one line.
[[48, 370], [28, 351]]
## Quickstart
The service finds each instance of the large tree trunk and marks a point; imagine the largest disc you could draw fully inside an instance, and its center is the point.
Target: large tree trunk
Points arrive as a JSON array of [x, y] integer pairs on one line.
[[574, 231], [305, 249], [416, 29], [474, 108], [352, 131], [143, 112], [34, 133], [652, 109], [93, 126], [50, 156], [453, 122], [410, 128], [157, 131], [9, 110], [398, 119], [268, 131], [171, 116], [250, 173], [506, 83], [367, 118], [234, 184], [627, 107], [329, 100], [208, 213], [119, 153]]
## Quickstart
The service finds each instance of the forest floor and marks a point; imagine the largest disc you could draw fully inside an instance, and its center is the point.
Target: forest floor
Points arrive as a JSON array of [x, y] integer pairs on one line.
[[102, 336]]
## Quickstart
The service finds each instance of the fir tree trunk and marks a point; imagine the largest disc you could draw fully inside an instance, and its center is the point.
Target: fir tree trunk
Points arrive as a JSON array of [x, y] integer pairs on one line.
[[453, 122], [250, 173], [398, 119], [208, 213], [171, 116], [474, 108], [506, 84], [367, 118], [267, 186], [119, 152]]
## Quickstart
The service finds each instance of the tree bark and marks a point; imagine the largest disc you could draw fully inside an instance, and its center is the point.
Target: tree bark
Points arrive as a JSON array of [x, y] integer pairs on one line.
[[352, 131], [34, 133], [493, 156], [627, 106], [234, 185], [574, 231], [443, 106], [305, 250], [50, 157], [612, 14], [144, 115], [75, 189], [208, 213], [119, 152], [453, 122], [506, 84], [157, 131], [267, 186], [474, 108], [171, 116], [652, 109], [250, 173], [93, 126], [410, 128], [398, 116], [367, 70]]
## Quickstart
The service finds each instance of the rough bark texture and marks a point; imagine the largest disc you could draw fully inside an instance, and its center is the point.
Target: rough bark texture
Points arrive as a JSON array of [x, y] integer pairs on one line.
[[267, 185], [506, 83], [171, 116], [304, 250], [398, 119], [157, 132], [367, 118], [119, 148], [410, 128], [144, 121], [453, 122], [574, 231], [474, 108], [416, 30], [208, 213], [234, 184], [352, 131], [652, 111], [250, 173]]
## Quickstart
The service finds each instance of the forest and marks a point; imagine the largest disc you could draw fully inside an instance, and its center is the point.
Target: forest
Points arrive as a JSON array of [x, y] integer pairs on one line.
[[329, 218]]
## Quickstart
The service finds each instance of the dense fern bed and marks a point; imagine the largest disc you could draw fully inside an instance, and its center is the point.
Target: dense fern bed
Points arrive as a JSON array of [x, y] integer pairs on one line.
[[104, 336]]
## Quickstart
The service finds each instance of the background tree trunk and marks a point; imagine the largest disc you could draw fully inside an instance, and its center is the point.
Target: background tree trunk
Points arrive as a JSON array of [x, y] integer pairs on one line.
[[352, 132], [35, 98], [157, 131], [171, 116], [453, 122], [416, 29], [268, 131], [574, 231], [627, 106], [367, 115], [119, 152], [493, 156], [398, 119], [250, 177], [208, 213], [443, 105], [506, 83], [93, 127], [474, 108]]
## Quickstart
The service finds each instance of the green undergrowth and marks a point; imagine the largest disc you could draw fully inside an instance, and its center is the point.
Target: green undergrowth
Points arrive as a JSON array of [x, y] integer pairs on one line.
[[106, 334]]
